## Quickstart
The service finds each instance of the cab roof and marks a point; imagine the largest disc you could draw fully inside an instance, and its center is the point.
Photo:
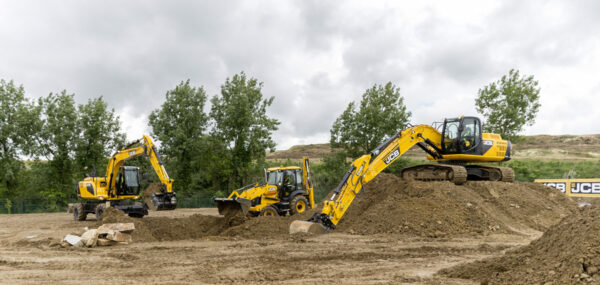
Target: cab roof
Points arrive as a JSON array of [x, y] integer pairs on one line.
[[282, 168]]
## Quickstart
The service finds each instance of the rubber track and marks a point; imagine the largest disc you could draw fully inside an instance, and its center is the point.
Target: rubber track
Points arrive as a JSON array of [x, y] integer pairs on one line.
[[458, 176], [507, 174]]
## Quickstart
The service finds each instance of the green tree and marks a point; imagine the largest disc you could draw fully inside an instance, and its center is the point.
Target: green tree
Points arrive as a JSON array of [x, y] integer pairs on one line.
[[241, 125], [381, 114], [99, 136], [509, 103], [57, 142], [180, 125], [17, 118]]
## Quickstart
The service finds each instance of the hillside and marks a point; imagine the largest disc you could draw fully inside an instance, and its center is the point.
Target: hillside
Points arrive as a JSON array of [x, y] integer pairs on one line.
[[538, 147]]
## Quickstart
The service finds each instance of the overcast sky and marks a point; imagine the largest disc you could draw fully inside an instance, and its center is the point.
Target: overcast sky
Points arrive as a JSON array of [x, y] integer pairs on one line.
[[313, 56]]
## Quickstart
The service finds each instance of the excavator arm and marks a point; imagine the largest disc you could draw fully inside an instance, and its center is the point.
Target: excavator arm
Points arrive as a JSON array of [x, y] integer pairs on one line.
[[162, 199], [364, 169]]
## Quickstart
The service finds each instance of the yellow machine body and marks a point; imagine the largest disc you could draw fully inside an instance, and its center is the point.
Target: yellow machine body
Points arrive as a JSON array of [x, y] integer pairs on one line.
[[286, 190]]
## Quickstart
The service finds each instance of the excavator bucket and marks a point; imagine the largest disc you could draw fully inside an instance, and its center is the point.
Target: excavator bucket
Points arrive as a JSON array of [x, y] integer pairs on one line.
[[299, 226], [233, 206], [158, 199]]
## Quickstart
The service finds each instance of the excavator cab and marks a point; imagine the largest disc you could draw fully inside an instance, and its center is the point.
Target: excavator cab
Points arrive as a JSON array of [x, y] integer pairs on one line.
[[128, 181], [462, 136]]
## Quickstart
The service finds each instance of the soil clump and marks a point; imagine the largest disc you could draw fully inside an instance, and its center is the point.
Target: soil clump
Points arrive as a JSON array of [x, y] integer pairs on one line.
[[567, 253]]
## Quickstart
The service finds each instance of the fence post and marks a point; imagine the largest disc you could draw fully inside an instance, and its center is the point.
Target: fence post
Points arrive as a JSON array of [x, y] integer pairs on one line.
[[22, 205]]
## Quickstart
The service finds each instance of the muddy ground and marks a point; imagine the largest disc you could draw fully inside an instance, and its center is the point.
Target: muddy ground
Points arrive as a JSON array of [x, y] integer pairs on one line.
[[396, 232]]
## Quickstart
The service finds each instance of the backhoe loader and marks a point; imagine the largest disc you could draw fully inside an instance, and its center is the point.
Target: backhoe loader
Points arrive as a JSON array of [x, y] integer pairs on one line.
[[287, 190], [460, 141], [122, 184]]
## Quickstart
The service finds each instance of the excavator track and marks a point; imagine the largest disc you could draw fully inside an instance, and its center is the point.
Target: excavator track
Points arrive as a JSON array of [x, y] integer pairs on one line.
[[436, 172], [490, 173]]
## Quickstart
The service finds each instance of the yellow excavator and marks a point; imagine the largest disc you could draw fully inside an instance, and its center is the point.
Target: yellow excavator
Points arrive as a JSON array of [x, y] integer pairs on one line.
[[287, 190], [460, 141], [122, 184]]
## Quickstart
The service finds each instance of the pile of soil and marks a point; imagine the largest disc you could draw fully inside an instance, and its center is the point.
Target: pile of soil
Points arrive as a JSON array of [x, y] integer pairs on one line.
[[388, 204], [567, 253], [198, 226]]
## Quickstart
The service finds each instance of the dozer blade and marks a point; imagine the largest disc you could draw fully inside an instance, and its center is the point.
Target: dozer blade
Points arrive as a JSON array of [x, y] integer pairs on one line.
[[157, 199], [229, 207], [299, 226]]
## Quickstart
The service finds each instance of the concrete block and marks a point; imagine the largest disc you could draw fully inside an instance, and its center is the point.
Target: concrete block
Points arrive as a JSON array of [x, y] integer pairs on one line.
[[119, 236], [74, 240], [106, 242], [116, 227], [90, 238]]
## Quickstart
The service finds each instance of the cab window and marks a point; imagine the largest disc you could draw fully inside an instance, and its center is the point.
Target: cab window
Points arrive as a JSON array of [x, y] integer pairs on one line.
[[451, 133], [298, 179], [274, 177], [471, 132]]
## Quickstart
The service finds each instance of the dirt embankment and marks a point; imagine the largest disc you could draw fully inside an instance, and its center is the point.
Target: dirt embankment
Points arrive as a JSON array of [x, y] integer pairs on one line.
[[567, 253], [390, 205]]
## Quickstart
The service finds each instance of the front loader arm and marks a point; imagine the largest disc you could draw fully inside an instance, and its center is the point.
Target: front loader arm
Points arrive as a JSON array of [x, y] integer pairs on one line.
[[368, 166]]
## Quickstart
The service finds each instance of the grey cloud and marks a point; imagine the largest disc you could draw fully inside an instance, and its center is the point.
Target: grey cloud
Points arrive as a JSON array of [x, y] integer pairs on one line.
[[133, 52]]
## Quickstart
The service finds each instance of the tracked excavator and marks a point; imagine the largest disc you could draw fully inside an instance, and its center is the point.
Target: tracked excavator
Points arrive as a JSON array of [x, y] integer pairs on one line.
[[459, 143], [286, 190], [121, 185]]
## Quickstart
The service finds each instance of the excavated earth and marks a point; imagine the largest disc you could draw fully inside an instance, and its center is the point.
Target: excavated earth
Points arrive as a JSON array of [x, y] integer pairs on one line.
[[567, 253], [395, 232]]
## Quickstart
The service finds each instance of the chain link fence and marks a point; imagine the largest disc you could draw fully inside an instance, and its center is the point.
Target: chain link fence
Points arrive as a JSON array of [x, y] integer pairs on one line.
[[47, 205]]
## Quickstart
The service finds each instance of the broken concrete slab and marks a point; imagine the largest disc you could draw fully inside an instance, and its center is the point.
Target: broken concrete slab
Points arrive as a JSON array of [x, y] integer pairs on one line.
[[106, 242], [74, 240], [90, 238], [116, 227], [119, 236]]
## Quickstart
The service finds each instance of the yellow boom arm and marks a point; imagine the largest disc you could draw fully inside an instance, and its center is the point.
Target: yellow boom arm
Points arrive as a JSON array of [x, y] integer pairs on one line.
[[130, 151], [370, 165]]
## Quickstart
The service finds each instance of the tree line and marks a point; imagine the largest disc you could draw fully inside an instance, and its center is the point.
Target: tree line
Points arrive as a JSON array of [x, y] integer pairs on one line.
[[45, 144]]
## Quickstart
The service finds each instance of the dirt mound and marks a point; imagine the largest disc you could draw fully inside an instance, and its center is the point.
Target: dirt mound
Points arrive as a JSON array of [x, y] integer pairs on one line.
[[565, 254], [389, 204], [197, 226], [165, 229]]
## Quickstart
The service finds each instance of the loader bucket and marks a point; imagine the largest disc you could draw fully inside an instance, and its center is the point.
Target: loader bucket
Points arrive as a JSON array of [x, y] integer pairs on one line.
[[233, 206], [307, 227], [158, 199]]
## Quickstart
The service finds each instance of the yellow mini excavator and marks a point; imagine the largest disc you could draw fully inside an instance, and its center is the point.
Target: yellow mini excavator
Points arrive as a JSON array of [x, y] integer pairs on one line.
[[287, 190], [460, 141], [122, 184]]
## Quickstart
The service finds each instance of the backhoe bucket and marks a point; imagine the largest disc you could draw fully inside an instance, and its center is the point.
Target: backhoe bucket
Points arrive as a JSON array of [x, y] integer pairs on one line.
[[233, 206], [299, 226], [157, 199]]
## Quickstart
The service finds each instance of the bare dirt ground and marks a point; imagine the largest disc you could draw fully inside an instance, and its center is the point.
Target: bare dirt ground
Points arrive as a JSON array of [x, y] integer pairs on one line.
[[26, 257], [397, 232]]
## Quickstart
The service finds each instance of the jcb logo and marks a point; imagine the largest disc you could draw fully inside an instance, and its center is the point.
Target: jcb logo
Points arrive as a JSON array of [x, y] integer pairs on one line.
[[392, 156], [558, 185], [585, 187]]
